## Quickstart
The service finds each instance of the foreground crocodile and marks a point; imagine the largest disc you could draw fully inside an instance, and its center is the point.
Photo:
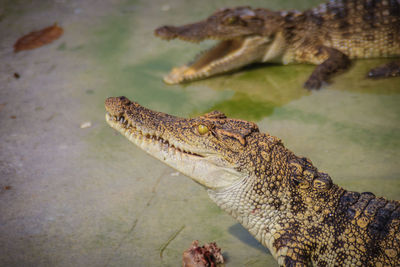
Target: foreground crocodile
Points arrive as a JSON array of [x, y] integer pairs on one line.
[[328, 35], [281, 199]]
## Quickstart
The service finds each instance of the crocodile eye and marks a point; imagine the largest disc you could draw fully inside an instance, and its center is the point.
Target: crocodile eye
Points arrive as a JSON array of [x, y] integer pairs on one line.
[[230, 20], [202, 129]]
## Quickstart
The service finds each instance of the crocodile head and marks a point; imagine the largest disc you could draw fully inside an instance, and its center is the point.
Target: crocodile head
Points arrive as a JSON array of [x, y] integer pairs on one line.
[[249, 174], [245, 35], [207, 148]]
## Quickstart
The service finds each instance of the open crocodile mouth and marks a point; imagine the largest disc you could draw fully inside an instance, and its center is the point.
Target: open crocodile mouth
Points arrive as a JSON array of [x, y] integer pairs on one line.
[[149, 141], [226, 56]]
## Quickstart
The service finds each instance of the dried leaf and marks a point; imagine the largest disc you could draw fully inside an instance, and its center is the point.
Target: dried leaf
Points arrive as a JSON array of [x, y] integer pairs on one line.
[[208, 255], [2, 106], [38, 38]]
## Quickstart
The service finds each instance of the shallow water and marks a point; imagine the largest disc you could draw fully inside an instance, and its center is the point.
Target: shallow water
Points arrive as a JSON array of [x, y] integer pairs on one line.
[[87, 197]]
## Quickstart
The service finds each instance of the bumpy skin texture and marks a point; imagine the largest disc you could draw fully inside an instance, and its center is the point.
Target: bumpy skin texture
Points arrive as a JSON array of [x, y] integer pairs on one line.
[[281, 199], [328, 35]]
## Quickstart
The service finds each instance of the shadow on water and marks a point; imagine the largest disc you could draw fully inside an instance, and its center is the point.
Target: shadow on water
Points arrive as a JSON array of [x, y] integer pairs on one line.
[[243, 235]]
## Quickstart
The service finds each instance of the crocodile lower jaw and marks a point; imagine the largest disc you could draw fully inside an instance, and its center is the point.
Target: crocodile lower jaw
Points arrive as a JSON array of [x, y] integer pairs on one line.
[[226, 56]]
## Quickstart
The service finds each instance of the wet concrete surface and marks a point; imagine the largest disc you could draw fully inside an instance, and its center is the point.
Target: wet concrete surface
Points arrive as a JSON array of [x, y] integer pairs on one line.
[[73, 196]]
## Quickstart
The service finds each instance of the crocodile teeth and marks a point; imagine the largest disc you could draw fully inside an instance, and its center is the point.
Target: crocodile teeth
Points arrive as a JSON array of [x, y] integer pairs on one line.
[[140, 136], [210, 62]]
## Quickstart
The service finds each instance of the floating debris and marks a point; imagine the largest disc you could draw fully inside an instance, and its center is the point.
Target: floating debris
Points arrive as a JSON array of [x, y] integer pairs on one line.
[[86, 124], [175, 174], [208, 255], [16, 75], [38, 38]]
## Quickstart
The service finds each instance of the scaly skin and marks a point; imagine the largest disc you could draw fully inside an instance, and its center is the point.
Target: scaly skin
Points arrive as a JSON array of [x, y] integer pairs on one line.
[[329, 36], [294, 210]]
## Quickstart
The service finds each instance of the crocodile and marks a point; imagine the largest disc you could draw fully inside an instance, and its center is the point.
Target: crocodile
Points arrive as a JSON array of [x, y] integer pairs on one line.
[[289, 206], [329, 36]]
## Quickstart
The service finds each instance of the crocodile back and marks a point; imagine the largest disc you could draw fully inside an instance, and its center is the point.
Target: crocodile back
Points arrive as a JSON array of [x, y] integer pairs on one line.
[[373, 228], [358, 28]]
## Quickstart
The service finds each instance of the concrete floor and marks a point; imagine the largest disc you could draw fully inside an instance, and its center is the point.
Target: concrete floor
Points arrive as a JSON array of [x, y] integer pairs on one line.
[[72, 196]]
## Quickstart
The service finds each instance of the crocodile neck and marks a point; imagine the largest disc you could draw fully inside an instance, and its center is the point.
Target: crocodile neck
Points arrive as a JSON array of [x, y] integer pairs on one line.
[[274, 214]]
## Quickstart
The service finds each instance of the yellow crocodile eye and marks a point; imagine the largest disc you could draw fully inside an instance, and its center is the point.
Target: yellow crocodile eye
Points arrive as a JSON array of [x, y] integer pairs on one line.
[[231, 20], [202, 129]]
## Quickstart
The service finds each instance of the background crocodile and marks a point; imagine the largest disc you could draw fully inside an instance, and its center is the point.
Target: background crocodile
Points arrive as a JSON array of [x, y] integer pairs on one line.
[[283, 200], [328, 35]]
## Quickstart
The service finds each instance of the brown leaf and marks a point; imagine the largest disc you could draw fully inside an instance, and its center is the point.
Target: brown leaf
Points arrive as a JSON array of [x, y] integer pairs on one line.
[[208, 255], [2, 106], [38, 38]]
